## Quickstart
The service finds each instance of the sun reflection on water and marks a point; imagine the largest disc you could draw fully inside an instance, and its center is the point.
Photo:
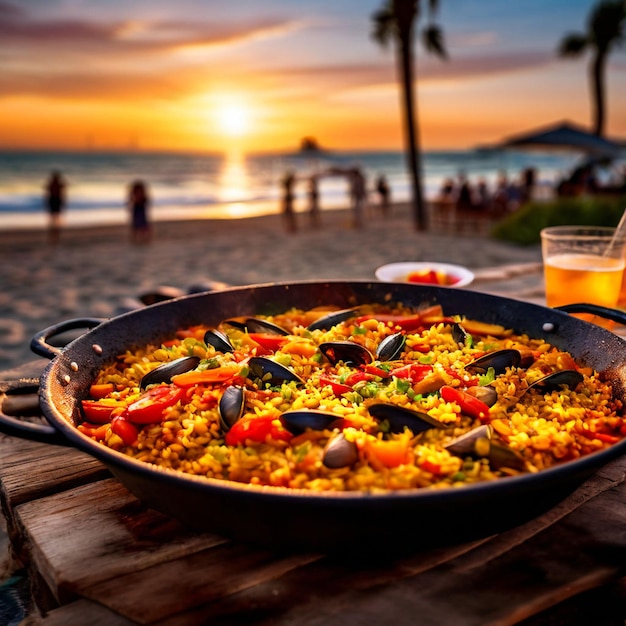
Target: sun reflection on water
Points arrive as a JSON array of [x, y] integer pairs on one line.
[[234, 180]]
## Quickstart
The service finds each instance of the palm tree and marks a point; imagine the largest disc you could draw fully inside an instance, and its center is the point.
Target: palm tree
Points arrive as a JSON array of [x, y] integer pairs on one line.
[[396, 19], [604, 30]]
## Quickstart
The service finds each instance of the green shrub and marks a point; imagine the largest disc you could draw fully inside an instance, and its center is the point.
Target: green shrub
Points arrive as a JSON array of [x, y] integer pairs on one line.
[[523, 226]]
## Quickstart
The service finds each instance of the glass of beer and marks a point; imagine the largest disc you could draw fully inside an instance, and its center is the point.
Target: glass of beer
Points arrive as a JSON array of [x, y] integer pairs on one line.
[[582, 264]]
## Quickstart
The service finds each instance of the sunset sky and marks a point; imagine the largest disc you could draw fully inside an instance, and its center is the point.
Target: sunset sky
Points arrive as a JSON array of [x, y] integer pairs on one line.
[[259, 75]]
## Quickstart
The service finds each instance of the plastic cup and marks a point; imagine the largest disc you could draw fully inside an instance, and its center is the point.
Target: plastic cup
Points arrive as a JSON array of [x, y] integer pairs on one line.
[[582, 264]]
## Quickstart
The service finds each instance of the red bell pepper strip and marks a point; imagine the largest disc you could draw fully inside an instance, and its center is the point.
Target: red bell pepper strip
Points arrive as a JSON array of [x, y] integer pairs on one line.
[[338, 388], [256, 429], [600, 436], [204, 377], [470, 406], [148, 409], [126, 431], [357, 377], [95, 431], [415, 372], [376, 371], [99, 412], [269, 341]]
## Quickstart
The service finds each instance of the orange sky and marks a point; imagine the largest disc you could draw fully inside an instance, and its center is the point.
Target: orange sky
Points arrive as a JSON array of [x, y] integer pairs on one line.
[[262, 75]]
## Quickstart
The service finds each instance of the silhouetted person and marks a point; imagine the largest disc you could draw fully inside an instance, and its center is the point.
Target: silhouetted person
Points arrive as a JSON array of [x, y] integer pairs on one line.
[[483, 197], [465, 200], [55, 204], [358, 193], [500, 203], [138, 204], [314, 202], [384, 194], [528, 183], [289, 216], [447, 192]]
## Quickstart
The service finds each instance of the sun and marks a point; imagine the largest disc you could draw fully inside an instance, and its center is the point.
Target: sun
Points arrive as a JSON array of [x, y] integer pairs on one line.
[[233, 118]]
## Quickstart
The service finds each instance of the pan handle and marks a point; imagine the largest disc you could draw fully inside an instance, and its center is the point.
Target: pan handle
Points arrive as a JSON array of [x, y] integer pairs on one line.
[[39, 343], [20, 398], [614, 315]]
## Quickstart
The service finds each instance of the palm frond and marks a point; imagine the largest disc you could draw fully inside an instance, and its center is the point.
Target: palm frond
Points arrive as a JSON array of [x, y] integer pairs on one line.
[[432, 40], [606, 23], [383, 23], [573, 45]]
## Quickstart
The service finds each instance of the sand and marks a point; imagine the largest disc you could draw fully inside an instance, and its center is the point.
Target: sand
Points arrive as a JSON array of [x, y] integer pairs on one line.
[[97, 271]]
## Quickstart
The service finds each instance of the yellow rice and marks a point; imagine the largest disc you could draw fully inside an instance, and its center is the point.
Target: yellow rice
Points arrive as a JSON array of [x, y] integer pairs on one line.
[[543, 429]]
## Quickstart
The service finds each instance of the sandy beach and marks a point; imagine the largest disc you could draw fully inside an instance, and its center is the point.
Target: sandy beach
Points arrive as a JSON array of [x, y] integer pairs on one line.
[[98, 272]]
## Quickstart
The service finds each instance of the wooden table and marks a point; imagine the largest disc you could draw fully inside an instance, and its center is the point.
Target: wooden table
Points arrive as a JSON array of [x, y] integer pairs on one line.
[[96, 555]]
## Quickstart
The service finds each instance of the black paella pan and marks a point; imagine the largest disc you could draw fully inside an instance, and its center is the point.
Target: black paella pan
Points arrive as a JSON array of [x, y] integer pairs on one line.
[[294, 519]]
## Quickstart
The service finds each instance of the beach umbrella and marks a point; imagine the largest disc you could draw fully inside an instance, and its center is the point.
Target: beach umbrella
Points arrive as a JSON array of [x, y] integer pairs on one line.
[[564, 136]]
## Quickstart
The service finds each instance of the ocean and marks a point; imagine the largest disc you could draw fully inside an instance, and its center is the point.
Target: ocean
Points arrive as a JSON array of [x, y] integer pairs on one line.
[[193, 185]]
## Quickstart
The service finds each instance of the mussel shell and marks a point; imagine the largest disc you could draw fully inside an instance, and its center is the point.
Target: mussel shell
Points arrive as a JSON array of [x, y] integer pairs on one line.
[[163, 373], [465, 444], [459, 334], [236, 323], [501, 455], [298, 421], [400, 417], [336, 317], [256, 325], [500, 360], [231, 406], [348, 352], [485, 393], [391, 347], [340, 452], [478, 443], [271, 372], [556, 380], [218, 340]]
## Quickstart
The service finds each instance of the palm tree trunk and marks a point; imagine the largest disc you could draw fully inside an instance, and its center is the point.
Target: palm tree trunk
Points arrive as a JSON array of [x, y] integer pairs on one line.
[[596, 77], [405, 59]]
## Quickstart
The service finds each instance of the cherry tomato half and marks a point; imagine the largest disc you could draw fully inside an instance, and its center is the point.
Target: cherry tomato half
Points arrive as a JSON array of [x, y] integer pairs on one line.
[[471, 406], [148, 409], [255, 429], [98, 412], [126, 431]]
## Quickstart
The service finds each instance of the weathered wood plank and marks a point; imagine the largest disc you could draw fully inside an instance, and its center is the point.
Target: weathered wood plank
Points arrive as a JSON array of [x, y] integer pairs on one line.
[[171, 589], [79, 613], [81, 537], [584, 549], [31, 470]]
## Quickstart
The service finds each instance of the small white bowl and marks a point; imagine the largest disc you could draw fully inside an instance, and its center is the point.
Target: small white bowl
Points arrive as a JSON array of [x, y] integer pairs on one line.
[[400, 272]]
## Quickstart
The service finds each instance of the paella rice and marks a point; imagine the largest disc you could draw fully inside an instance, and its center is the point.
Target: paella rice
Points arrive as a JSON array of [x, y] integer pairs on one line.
[[378, 398]]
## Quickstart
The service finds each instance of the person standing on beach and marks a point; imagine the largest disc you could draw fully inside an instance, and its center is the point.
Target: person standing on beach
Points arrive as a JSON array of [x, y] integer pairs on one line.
[[288, 182], [314, 202], [384, 194], [138, 203], [358, 193], [55, 204]]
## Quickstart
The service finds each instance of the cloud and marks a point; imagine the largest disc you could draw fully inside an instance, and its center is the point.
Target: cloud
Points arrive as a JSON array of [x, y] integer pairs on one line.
[[428, 69], [142, 58], [19, 27], [125, 59]]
